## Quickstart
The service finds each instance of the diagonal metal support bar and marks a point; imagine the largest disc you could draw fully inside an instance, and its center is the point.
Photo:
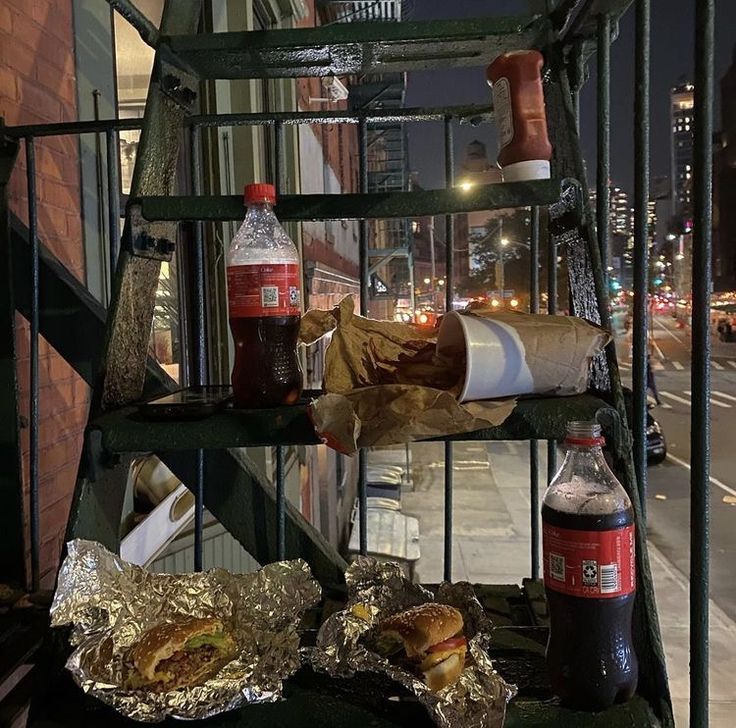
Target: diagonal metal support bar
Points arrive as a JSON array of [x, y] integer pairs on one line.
[[131, 308], [146, 29]]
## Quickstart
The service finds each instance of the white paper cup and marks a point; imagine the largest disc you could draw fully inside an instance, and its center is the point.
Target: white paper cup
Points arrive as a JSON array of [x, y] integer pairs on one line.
[[495, 361]]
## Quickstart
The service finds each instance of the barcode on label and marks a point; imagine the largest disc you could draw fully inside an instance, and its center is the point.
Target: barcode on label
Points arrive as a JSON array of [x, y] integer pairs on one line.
[[609, 578], [269, 296], [557, 567]]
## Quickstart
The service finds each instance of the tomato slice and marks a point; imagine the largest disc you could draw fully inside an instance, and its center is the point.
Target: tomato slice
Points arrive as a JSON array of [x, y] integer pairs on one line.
[[452, 644]]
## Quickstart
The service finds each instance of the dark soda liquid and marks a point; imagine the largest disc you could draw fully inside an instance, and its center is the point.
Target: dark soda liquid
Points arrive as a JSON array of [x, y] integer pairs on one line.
[[590, 653], [267, 371]]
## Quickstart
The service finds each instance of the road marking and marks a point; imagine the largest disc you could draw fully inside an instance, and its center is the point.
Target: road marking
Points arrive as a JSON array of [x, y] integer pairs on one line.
[[657, 366], [664, 405], [621, 365], [716, 365], [732, 363], [723, 394], [713, 480], [712, 401], [664, 328], [678, 366], [682, 400]]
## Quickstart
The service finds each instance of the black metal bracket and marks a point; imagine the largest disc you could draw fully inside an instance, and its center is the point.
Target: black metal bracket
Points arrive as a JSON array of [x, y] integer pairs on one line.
[[567, 213], [140, 242], [177, 82]]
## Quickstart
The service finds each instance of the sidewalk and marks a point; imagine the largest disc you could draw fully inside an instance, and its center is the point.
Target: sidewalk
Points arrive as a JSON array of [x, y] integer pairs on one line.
[[491, 545]]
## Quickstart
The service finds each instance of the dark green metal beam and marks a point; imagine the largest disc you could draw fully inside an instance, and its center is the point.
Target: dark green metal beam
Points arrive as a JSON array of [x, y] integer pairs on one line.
[[417, 203], [355, 48], [126, 431]]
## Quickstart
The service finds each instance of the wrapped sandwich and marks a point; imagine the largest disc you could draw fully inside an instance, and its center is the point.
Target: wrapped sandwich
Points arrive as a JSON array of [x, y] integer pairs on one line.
[[179, 654], [428, 639]]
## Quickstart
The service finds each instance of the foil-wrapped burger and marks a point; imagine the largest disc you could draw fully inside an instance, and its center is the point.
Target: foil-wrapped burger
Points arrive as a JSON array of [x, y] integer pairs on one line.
[[178, 654], [427, 639], [182, 645]]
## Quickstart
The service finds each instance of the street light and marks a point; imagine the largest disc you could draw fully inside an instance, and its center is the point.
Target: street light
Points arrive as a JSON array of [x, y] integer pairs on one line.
[[427, 281], [440, 282], [465, 185], [504, 242]]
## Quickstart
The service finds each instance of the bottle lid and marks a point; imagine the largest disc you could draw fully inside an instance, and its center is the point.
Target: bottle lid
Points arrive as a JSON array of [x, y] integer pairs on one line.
[[259, 192], [585, 434], [529, 169]]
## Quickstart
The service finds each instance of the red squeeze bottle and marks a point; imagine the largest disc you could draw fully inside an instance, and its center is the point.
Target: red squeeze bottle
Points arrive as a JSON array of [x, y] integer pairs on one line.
[[518, 103], [264, 306]]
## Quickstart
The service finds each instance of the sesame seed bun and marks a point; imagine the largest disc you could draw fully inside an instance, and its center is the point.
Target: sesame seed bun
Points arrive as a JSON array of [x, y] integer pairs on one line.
[[423, 626]]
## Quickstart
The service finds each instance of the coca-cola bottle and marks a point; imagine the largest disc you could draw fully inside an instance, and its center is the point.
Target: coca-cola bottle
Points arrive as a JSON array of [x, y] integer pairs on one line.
[[263, 285], [589, 577]]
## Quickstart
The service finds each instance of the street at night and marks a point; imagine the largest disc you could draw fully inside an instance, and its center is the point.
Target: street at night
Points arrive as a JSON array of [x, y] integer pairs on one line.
[[668, 497]]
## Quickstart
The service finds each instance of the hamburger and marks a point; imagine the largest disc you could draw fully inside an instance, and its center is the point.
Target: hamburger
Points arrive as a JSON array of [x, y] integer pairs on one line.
[[179, 654], [431, 638]]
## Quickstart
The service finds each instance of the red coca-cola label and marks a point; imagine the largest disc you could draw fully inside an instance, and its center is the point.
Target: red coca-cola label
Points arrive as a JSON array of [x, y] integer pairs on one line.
[[263, 289], [593, 564]]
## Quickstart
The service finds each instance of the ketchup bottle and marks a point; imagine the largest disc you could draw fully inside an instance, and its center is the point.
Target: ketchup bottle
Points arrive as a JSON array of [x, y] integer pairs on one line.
[[263, 284], [521, 120]]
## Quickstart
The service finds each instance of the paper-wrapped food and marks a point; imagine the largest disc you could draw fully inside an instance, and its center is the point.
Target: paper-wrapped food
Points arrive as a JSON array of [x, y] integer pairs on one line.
[[350, 642], [182, 645], [389, 383]]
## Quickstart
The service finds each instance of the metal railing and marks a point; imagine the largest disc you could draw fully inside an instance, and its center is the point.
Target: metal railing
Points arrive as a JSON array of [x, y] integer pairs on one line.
[[700, 437]]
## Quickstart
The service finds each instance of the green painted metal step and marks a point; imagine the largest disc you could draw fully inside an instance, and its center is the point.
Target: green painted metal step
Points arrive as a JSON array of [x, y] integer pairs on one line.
[[126, 430], [355, 48], [417, 203]]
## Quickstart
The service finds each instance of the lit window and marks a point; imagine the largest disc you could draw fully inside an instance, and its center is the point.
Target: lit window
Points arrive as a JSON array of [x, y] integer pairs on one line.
[[687, 167], [687, 127]]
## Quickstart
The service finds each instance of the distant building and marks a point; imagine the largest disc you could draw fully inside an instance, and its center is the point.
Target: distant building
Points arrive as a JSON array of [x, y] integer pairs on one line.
[[621, 221], [682, 124]]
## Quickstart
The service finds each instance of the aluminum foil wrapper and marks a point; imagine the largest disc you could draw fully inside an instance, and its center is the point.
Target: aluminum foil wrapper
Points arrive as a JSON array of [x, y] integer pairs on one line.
[[110, 603], [376, 590]]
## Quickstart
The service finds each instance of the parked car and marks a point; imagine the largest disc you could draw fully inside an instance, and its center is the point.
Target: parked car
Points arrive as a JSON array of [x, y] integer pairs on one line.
[[656, 442]]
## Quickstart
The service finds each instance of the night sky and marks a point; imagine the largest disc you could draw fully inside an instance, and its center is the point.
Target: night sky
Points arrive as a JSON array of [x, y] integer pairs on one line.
[[672, 57]]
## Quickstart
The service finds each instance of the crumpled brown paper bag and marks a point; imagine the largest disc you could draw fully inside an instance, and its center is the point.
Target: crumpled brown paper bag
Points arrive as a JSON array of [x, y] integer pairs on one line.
[[386, 385]]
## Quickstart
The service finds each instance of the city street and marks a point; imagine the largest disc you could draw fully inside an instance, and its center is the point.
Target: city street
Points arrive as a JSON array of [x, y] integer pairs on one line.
[[668, 502]]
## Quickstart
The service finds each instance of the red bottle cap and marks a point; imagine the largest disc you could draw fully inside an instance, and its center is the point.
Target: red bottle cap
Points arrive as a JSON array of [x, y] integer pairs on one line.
[[259, 192]]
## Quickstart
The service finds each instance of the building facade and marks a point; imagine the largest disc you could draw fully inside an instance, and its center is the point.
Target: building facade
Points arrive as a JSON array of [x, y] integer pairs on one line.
[[682, 124]]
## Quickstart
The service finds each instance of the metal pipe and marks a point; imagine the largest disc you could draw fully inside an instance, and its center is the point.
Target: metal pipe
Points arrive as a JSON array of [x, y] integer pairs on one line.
[[279, 160], [449, 296], [146, 29], [363, 224], [604, 139], [113, 197], [68, 128], [364, 280], [34, 442], [363, 501], [280, 180], [198, 337], [280, 504], [551, 310], [534, 444], [641, 245], [700, 370], [199, 510]]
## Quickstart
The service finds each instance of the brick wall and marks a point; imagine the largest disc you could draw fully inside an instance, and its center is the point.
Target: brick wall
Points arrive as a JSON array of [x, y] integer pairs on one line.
[[37, 85]]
